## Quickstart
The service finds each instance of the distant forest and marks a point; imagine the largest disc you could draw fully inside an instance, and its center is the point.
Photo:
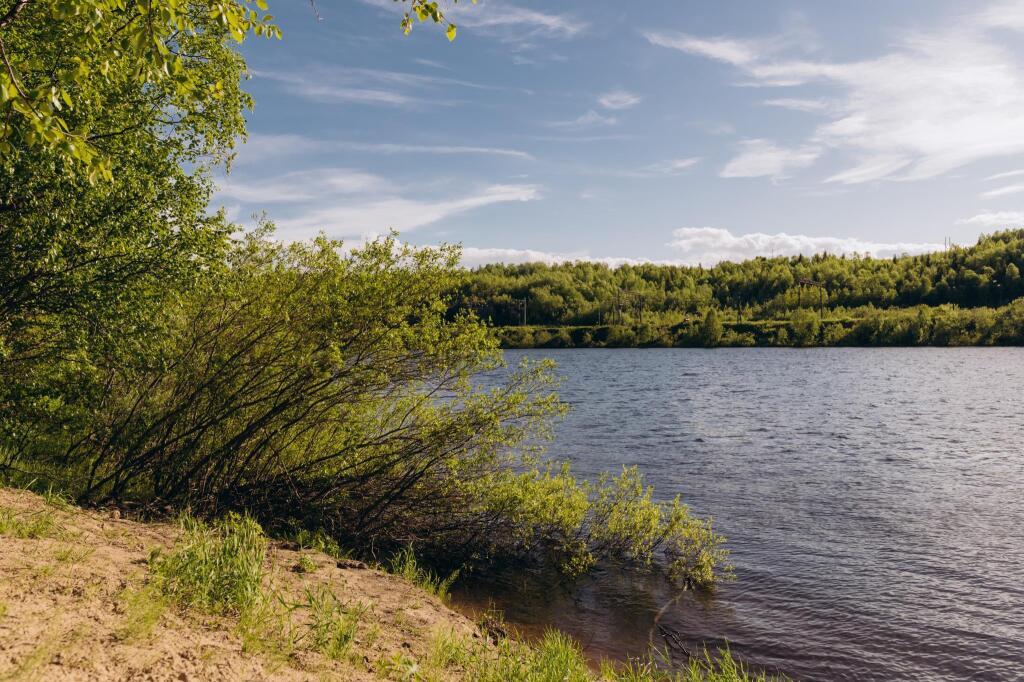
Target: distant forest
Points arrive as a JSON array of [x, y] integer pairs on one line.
[[960, 296]]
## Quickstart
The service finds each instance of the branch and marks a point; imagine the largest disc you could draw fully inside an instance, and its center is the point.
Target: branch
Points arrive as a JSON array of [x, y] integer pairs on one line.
[[13, 12]]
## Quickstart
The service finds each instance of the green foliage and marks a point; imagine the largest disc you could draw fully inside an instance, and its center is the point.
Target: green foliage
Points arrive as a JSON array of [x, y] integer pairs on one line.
[[805, 327], [334, 391], [558, 658], [546, 512], [711, 330], [217, 568], [428, 10], [108, 45], [679, 306], [87, 266], [317, 540]]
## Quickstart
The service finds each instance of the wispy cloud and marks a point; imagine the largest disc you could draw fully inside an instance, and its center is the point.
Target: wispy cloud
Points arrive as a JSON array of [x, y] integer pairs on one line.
[[618, 99], [346, 203], [380, 87], [735, 52], [590, 119], [1003, 191], [261, 147], [667, 167], [512, 22], [798, 104], [300, 186], [936, 101], [709, 245], [763, 158], [672, 166], [991, 219], [504, 21], [347, 217], [1003, 176]]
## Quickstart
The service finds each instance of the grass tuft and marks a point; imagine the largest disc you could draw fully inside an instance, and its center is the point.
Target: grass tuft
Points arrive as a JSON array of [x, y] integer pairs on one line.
[[144, 607], [304, 565], [332, 625], [29, 525], [320, 541], [404, 565], [214, 567]]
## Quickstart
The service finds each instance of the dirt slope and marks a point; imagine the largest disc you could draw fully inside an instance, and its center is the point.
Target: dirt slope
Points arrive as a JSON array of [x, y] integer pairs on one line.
[[73, 607]]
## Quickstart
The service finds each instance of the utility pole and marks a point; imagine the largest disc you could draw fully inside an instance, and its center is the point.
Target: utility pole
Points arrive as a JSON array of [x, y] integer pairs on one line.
[[821, 294], [519, 304]]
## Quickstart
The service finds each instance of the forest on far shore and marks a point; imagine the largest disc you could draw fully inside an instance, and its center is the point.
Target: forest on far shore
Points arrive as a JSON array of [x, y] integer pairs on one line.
[[960, 296]]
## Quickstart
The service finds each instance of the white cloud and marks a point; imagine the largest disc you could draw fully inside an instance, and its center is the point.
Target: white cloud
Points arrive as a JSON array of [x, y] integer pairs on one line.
[[503, 20], [1003, 191], [523, 22], [872, 168], [591, 119], [1000, 219], [379, 87], [345, 216], [671, 166], [618, 99], [709, 245], [476, 256], [736, 52], [798, 104], [1008, 174], [261, 147], [301, 186], [936, 101], [762, 158]]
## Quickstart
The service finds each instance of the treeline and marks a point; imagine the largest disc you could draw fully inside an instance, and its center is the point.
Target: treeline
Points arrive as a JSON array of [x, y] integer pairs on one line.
[[962, 296], [152, 357], [917, 326]]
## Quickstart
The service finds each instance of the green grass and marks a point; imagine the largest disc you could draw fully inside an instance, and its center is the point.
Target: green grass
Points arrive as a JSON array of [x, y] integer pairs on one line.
[[332, 625], [215, 567], [144, 607], [28, 525], [399, 667], [304, 565], [559, 658], [320, 541], [70, 554], [404, 565]]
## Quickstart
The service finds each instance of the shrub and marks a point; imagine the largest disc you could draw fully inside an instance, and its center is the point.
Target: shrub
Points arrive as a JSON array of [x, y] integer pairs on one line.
[[335, 393]]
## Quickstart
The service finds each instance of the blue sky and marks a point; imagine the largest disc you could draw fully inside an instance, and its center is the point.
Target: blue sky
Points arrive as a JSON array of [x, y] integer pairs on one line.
[[679, 131]]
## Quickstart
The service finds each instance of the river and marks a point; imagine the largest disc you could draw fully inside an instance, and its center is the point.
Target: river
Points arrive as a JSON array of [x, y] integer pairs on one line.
[[873, 501]]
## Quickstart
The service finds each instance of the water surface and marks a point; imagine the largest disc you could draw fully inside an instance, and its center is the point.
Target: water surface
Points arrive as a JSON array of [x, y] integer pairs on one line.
[[873, 500]]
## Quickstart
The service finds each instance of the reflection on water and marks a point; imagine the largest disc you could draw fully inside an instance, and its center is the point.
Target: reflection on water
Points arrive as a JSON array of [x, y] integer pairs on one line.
[[873, 500]]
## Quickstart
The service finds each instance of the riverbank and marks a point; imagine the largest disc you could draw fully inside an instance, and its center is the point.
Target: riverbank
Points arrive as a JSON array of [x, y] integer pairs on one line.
[[940, 326], [75, 605], [88, 595]]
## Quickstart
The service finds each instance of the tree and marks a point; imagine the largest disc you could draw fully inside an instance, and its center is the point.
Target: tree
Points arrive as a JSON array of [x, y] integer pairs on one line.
[[49, 49], [86, 261], [150, 40], [805, 326], [711, 329]]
